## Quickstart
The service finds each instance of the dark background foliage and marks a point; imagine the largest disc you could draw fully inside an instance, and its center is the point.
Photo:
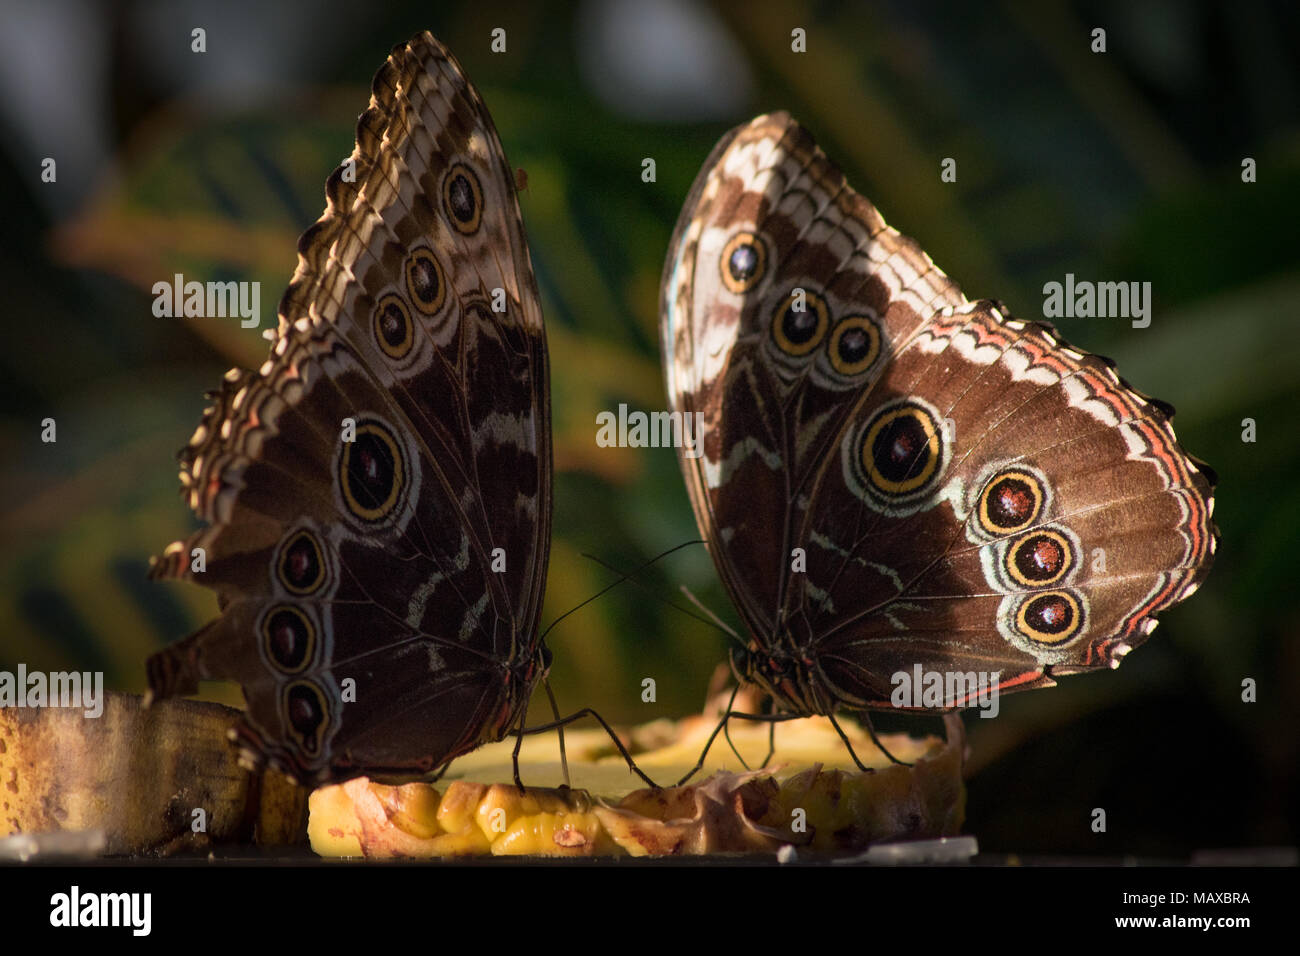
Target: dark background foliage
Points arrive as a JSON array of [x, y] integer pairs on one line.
[[1121, 166]]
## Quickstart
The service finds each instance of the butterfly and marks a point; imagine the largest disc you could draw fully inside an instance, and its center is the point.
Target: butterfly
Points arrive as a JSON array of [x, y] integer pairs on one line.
[[378, 494], [894, 479]]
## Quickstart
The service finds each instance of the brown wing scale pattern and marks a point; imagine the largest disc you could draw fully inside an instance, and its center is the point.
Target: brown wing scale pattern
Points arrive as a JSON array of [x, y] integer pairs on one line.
[[964, 490], [377, 495]]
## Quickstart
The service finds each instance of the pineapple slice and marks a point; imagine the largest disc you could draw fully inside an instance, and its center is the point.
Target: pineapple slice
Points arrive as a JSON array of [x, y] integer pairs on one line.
[[812, 797]]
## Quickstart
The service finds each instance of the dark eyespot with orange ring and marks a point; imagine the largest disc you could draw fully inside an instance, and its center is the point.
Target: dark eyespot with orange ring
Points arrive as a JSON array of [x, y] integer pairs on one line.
[[426, 282], [1039, 558], [372, 472], [289, 638], [392, 326], [1052, 618], [1011, 502], [902, 449], [306, 713], [797, 331], [854, 345], [301, 568], [462, 198], [744, 262]]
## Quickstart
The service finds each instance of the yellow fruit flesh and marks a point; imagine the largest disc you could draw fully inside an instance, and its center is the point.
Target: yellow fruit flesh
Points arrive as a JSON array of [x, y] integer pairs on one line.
[[814, 798]]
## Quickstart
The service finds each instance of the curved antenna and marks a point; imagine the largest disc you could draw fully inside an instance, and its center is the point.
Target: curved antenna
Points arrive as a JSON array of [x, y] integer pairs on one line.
[[712, 620], [712, 617], [610, 587]]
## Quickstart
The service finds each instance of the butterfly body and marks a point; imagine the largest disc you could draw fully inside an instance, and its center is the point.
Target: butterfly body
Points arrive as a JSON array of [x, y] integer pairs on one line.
[[378, 494], [894, 475]]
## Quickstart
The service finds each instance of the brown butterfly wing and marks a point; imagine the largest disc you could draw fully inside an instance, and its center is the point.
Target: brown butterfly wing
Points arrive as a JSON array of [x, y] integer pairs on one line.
[[769, 202], [1063, 515], [850, 444], [381, 590]]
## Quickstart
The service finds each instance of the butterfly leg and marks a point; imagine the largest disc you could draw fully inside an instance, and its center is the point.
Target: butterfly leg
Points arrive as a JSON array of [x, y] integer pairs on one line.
[[559, 729], [852, 753], [871, 732], [588, 712], [771, 742], [519, 742], [705, 752], [726, 732], [726, 715]]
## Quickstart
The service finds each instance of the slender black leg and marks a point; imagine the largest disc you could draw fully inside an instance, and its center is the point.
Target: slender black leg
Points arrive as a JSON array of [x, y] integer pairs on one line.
[[588, 712], [852, 753], [519, 742], [726, 715], [871, 731], [771, 742], [726, 732], [555, 711]]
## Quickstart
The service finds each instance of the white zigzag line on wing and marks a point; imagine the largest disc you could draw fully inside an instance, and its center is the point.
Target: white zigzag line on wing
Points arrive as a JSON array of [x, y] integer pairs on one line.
[[902, 606], [748, 160], [821, 540], [716, 472], [1081, 396], [1017, 362], [822, 598], [472, 617], [415, 609], [504, 430], [1139, 449]]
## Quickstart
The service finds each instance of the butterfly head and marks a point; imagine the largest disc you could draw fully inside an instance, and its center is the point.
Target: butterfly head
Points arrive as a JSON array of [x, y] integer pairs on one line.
[[519, 677], [791, 677]]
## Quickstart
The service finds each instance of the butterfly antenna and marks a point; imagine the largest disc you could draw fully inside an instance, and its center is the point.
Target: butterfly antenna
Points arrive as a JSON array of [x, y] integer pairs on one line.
[[628, 576], [712, 617], [712, 620]]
